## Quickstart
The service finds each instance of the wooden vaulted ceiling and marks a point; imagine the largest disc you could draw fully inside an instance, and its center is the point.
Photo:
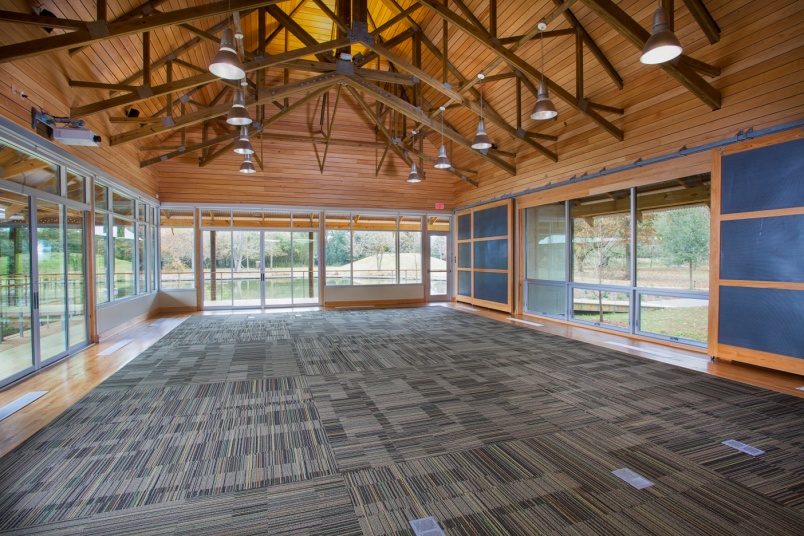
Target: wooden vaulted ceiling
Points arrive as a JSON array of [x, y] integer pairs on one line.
[[153, 55]]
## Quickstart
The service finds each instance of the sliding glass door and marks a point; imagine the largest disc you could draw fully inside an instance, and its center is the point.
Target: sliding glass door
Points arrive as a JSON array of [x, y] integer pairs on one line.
[[260, 268]]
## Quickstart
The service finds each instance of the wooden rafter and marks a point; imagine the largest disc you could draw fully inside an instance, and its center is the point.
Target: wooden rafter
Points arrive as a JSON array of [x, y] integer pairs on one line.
[[296, 29], [518, 63], [179, 85], [101, 31], [330, 126], [169, 125], [418, 115], [457, 97], [229, 136], [637, 36], [142, 10], [704, 20]]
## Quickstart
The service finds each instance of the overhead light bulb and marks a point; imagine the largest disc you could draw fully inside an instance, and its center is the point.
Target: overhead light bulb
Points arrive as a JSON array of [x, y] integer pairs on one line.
[[663, 45], [238, 115], [243, 145], [414, 174], [225, 64], [247, 166]]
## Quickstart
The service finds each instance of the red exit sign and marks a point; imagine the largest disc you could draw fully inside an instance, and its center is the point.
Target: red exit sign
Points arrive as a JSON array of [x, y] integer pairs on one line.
[[439, 206]]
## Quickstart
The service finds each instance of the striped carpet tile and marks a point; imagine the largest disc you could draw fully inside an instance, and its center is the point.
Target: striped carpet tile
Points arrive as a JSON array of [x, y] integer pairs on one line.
[[316, 507], [560, 483], [119, 449]]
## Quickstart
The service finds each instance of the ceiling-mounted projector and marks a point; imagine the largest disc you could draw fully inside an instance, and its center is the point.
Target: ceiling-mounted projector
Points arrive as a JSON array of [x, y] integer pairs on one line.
[[72, 133], [76, 136]]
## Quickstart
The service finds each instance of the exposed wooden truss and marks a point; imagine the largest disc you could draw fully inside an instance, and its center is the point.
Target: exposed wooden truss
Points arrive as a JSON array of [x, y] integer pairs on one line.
[[397, 85]]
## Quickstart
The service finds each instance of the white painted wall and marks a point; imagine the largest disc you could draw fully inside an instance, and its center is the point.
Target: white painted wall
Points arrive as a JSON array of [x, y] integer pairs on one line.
[[116, 314], [173, 299], [373, 293]]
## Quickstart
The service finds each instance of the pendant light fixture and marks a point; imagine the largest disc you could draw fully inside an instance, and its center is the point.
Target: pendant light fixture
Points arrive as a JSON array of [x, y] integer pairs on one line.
[[226, 64], [243, 145], [544, 108], [663, 45], [442, 162], [238, 115], [414, 174], [482, 140], [247, 166]]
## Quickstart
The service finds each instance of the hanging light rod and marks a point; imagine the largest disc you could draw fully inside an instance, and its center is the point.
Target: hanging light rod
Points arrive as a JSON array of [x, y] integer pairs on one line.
[[442, 162], [663, 45], [544, 108], [482, 140]]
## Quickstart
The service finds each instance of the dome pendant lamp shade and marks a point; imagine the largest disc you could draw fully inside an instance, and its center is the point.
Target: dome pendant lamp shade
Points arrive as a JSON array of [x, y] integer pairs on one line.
[[238, 115], [663, 45], [243, 145], [442, 162], [544, 108], [414, 174], [226, 64], [482, 140], [247, 166]]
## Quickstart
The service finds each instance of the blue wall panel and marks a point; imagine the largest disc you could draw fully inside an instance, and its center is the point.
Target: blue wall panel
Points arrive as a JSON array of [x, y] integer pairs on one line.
[[491, 254], [764, 319], [491, 286], [764, 179], [491, 222], [465, 255], [465, 227], [763, 249], [464, 283]]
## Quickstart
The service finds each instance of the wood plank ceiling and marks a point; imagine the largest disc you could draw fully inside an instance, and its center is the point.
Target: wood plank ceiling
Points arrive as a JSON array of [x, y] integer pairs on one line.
[[152, 55]]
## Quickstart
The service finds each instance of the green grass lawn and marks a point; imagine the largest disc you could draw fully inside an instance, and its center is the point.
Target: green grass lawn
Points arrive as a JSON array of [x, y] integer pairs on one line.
[[684, 322]]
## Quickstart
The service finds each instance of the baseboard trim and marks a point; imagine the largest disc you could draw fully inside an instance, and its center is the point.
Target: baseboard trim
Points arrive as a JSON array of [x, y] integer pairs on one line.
[[380, 303]]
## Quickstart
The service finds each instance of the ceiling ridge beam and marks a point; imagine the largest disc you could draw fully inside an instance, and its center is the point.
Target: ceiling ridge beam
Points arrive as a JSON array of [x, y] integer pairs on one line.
[[200, 79], [101, 31], [518, 63], [637, 36], [417, 114], [170, 124], [143, 10]]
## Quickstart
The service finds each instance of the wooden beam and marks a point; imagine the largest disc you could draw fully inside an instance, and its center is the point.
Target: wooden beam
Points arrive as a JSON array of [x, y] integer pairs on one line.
[[518, 63], [704, 19], [604, 108], [637, 36], [546, 35], [142, 10], [271, 120], [100, 85], [457, 97], [493, 18], [221, 109], [329, 127], [399, 17], [331, 14], [418, 115], [590, 43], [146, 58], [701, 67], [229, 136], [39, 20], [102, 31], [578, 65], [296, 29], [179, 85]]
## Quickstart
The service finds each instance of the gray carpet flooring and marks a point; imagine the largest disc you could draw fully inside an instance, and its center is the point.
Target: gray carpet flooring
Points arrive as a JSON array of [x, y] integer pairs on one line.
[[350, 422]]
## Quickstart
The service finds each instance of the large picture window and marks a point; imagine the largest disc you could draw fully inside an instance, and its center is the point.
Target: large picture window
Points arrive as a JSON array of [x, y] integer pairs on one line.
[[369, 249], [639, 260], [177, 249]]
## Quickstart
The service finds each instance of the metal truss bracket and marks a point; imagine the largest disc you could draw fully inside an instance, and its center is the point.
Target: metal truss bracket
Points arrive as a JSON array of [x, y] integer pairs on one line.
[[359, 34]]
